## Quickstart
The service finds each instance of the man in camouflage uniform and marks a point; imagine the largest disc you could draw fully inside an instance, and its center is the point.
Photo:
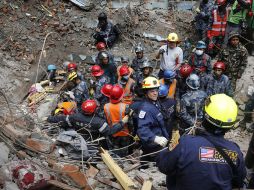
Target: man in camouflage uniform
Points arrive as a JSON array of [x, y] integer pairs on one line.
[[235, 57], [192, 102]]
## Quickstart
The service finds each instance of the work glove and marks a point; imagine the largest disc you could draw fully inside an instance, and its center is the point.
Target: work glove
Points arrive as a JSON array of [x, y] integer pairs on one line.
[[162, 141], [70, 94], [125, 119], [161, 51]]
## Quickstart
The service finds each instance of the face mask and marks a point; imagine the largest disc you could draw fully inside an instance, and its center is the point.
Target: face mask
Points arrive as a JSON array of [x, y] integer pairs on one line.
[[199, 52]]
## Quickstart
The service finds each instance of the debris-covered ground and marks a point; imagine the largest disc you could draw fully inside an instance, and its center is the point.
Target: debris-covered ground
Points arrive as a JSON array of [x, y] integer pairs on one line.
[[64, 30]]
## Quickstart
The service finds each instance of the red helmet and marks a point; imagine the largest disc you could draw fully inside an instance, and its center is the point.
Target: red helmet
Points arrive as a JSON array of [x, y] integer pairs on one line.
[[116, 94], [97, 71], [124, 70], [219, 65], [221, 2], [89, 106], [72, 66], [100, 46], [185, 70], [106, 89]]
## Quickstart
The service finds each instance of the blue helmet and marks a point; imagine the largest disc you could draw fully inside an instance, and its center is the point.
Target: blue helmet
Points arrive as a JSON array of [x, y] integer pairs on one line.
[[51, 67], [201, 45], [168, 74], [163, 90], [193, 81]]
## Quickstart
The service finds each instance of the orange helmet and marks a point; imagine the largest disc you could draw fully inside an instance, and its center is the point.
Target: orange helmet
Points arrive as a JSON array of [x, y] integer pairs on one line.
[[106, 89], [116, 94], [97, 71]]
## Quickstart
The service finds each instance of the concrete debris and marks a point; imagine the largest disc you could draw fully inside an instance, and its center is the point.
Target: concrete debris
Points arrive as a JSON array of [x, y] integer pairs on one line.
[[154, 37], [84, 4], [4, 153]]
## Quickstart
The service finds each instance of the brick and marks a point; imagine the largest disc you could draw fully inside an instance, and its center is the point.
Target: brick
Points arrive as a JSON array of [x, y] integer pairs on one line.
[[40, 145]]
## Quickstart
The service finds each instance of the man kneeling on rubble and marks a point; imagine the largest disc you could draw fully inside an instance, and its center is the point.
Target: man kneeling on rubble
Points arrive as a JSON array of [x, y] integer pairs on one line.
[[88, 119]]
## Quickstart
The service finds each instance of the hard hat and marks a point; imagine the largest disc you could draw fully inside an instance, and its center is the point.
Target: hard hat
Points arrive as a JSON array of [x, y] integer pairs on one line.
[[124, 70], [89, 106], [172, 37], [219, 65], [145, 64], [201, 45], [163, 90], [73, 75], [233, 34], [124, 59], [139, 48], [185, 70], [97, 71], [221, 111], [100, 46], [51, 67], [72, 66], [116, 94], [102, 55], [168, 74], [102, 16], [193, 81], [106, 89], [221, 2], [150, 82]]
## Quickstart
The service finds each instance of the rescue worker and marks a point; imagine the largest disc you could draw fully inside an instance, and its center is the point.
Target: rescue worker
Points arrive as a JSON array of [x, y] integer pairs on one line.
[[89, 119], [206, 160], [235, 56], [168, 108], [192, 102], [184, 72], [114, 112], [202, 17], [170, 81], [217, 27], [108, 66], [249, 162], [237, 18], [146, 71], [105, 90], [171, 55], [139, 59], [218, 83], [51, 75], [151, 125], [200, 61], [99, 80], [105, 31], [73, 67], [79, 89], [124, 62], [127, 84]]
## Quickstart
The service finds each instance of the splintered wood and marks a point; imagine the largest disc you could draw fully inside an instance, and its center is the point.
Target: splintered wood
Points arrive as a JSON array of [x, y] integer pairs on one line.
[[123, 179]]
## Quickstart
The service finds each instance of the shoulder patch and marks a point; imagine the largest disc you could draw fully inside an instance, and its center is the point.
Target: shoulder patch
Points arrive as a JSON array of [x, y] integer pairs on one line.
[[142, 114]]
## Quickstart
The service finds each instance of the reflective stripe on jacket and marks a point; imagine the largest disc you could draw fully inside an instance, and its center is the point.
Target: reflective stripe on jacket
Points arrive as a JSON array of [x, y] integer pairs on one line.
[[172, 88], [219, 23]]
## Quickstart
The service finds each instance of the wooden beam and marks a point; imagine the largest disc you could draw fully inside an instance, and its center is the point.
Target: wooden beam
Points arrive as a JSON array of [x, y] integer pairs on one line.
[[147, 185], [123, 179]]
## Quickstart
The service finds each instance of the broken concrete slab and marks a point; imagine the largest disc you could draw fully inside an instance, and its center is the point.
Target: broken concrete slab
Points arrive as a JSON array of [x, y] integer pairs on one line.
[[84, 4], [154, 37], [45, 109], [4, 153]]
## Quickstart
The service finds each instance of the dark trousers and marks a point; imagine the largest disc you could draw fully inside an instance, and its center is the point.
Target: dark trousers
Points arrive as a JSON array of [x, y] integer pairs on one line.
[[120, 143]]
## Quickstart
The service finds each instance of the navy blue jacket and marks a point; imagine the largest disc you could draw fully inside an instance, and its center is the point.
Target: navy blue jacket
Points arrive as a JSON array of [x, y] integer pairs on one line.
[[195, 164], [150, 124]]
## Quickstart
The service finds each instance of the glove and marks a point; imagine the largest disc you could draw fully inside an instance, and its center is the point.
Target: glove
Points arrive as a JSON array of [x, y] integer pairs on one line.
[[71, 94], [125, 119], [161, 51], [162, 141]]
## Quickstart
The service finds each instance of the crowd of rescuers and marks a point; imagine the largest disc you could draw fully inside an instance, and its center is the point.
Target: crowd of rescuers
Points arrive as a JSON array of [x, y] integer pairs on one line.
[[129, 103]]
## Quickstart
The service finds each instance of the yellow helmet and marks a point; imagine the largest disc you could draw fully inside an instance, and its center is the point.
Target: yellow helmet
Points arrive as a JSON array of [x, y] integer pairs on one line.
[[172, 37], [221, 111], [150, 82], [72, 76]]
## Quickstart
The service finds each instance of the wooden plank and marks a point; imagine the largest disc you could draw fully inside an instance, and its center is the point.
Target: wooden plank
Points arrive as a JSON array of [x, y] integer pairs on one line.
[[147, 185], [123, 179], [61, 185], [91, 172]]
